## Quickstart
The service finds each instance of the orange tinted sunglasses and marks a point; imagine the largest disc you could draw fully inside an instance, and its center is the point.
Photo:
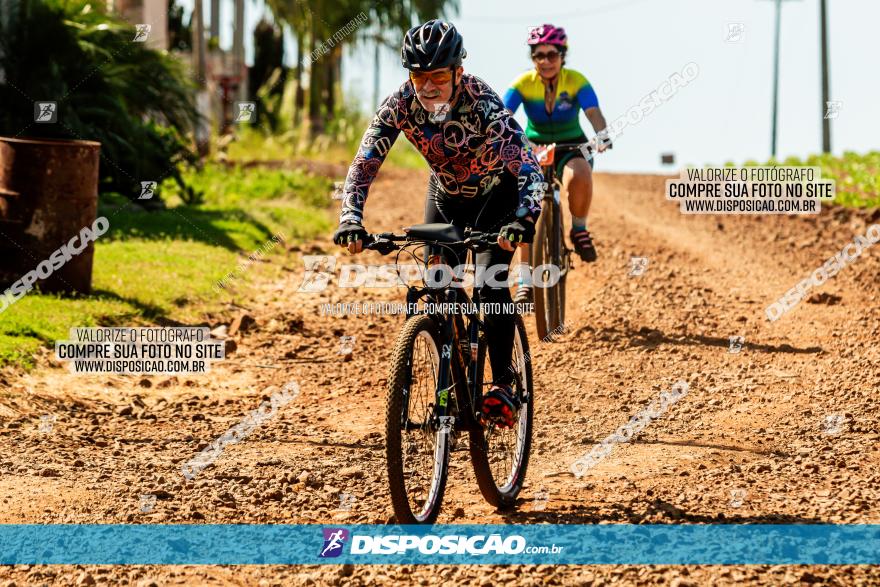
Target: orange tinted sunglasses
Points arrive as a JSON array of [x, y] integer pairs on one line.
[[438, 77]]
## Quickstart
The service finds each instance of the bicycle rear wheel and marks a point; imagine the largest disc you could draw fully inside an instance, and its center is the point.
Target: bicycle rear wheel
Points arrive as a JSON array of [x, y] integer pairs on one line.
[[547, 252], [417, 450], [501, 456]]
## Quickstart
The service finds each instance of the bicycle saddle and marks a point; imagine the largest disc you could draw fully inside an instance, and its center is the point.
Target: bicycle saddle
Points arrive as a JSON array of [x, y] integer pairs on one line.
[[439, 232]]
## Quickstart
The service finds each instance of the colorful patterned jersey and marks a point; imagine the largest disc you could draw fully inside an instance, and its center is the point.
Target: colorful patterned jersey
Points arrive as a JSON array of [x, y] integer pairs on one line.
[[573, 95], [468, 151]]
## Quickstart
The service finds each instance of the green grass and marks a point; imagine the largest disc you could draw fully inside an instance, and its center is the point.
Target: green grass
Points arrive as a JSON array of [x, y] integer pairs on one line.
[[39, 320], [338, 143], [250, 204], [403, 154], [165, 264], [857, 175], [340, 147]]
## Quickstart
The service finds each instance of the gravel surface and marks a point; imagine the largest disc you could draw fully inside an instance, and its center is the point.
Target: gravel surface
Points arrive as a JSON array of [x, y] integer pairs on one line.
[[784, 431]]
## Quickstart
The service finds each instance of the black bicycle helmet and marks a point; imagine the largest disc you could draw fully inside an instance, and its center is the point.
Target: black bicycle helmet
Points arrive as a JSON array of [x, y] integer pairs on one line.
[[433, 45]]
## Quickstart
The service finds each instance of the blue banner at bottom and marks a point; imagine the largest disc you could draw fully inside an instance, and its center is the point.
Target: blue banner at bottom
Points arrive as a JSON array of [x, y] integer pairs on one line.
[[190, 544]]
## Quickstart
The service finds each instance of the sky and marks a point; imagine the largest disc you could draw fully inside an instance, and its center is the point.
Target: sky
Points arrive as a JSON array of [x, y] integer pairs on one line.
[[627, 48]]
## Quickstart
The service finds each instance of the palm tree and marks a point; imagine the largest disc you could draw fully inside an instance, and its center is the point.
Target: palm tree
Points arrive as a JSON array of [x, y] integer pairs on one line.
[[137, 102], [315, 21], [298, 16]]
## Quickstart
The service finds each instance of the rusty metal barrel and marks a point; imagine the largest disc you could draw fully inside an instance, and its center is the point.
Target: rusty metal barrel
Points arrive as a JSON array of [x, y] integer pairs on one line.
[[48, 195]]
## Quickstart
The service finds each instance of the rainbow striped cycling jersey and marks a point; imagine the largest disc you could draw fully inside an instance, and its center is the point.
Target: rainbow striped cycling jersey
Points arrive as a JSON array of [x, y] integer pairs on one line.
[[573, 94]]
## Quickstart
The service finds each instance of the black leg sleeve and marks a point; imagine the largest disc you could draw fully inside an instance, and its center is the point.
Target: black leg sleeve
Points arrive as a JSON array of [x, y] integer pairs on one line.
[[499, 324]]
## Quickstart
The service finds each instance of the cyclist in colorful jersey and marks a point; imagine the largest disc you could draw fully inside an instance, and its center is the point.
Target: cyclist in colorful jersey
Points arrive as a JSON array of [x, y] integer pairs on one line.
[[483, 174], [552, 97]]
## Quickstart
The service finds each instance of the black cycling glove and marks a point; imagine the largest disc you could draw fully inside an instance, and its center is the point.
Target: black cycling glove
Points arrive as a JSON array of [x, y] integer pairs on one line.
[[519, 231], [349, 232]]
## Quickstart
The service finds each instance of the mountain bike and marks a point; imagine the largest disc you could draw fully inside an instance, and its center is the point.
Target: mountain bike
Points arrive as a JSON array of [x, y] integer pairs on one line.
[[439, 370], [549, 250]]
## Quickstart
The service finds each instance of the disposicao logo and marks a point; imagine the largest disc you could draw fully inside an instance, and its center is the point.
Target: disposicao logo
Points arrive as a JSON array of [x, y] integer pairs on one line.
[[433, 544], [334, 541]]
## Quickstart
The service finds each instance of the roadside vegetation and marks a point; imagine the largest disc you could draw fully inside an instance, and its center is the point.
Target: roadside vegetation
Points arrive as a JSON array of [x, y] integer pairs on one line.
[[163, 266], [162, 259], [857, 175], [137, 102], [286, 140]]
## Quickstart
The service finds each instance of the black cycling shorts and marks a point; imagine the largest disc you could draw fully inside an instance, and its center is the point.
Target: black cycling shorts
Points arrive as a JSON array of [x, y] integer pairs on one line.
[[486, 213]]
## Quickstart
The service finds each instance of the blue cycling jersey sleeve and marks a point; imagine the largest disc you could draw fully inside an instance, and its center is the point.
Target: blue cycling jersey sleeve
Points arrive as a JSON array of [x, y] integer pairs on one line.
[[512, 99], [587, 98]]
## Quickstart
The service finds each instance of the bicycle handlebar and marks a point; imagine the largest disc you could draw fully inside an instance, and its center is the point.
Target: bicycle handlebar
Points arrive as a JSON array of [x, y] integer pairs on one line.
[[563, 147], [569, 147], [388, 242]]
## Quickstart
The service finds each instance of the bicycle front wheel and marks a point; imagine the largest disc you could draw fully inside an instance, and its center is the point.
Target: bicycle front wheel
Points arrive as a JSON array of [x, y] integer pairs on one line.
[[547, 255], [417, 447]]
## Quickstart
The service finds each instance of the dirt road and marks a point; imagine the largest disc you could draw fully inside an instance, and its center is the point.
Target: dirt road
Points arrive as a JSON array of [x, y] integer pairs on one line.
[[785, 431]]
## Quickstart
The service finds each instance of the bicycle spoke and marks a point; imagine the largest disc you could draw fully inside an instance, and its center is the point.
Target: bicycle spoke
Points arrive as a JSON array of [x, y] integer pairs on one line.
[[419, 439], [504, 446]]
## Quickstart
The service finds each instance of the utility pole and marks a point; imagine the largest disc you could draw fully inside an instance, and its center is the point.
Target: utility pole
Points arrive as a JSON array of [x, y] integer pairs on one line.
[[826, 122], [215, 19], [199, 42], [238, 49], [775, 79], [203, 99], [774, 124]]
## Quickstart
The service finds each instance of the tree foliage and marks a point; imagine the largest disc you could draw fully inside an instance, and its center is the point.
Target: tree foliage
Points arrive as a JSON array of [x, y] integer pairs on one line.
[[137, 102], [313, 22], [267, 76]]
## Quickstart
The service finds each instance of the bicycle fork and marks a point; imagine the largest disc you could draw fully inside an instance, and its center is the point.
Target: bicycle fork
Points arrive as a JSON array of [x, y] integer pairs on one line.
[[457, 378]]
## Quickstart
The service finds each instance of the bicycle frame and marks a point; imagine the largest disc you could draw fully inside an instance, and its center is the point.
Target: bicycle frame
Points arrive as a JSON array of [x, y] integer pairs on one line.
[[551, 196], [458, 365], [460, 352]]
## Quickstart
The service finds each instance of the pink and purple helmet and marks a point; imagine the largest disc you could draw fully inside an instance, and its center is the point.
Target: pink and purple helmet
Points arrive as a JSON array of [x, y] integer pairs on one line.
[[548, 35]]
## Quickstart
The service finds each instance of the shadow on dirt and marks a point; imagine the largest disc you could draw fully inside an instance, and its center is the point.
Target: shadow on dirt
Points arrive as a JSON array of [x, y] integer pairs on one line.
[[655, 511], [693, 444], [650, 337]]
